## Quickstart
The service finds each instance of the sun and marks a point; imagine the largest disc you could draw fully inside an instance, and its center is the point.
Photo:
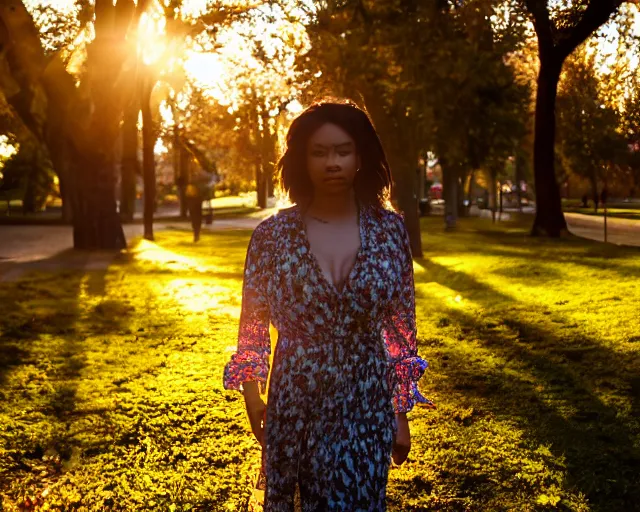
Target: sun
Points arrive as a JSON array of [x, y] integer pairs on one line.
[[152, 37]]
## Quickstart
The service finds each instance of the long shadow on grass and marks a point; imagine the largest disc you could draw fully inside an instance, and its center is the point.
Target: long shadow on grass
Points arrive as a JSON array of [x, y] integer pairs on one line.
[[572, 251], [598, 447], [36, 304], [48, 304]]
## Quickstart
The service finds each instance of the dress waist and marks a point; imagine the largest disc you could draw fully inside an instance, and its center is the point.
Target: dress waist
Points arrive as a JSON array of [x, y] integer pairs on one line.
[[334, 369]]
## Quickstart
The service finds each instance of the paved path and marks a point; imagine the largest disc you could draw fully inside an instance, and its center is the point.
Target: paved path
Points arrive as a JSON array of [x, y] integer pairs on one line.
[[619, 231], [49, 248]]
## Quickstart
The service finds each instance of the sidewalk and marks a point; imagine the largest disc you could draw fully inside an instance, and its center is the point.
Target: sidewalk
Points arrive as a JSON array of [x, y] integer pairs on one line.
[[619, 231], [49, 248]]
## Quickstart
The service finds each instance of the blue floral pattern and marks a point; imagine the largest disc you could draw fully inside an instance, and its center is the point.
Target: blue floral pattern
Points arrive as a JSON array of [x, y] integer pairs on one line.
[[345, 361]]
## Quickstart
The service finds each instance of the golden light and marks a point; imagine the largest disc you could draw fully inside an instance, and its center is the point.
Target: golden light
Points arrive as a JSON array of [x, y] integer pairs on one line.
[[6, 150], [150, 252], [207, 70], [197, 296], [152, 41], [195, 293]]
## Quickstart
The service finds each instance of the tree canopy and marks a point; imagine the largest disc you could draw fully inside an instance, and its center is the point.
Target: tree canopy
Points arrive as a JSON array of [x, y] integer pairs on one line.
[[473, 83]]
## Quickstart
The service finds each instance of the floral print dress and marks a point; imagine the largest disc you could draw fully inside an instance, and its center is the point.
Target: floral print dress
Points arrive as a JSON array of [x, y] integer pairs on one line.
[[344, 363]]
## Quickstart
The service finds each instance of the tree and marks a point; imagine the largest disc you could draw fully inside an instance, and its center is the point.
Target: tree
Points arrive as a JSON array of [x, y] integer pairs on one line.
[[629, 112], [264, 81], [99, 50], [79, 125], [429, 74], [560, 29], [588, 140], [129, 166]]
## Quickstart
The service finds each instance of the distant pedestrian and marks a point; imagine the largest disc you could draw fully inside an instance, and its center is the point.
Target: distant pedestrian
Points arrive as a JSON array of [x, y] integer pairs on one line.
[[197, 192]]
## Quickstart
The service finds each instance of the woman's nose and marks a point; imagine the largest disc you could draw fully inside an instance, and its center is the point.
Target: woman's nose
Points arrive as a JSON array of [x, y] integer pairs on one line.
[[332, 160]]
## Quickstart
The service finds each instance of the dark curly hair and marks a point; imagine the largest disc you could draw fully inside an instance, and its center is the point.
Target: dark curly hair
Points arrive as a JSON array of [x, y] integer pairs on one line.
[[372, 183]]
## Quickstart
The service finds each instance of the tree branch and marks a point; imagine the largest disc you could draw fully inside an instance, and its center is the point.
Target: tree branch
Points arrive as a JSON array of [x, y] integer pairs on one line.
[[23, 58], [595, 15], [542, 23]]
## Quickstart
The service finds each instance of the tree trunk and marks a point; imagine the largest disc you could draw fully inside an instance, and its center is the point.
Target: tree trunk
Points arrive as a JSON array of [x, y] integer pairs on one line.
[[56, 140], [96, 224], [29, 196], [185, 178], [472, 177], [594, 192], [493, 197], [462, 178], [65, 195], [549, 218], [518, 178], [261, 185], [130, 167], [90, 114], [405, 192], [450, 194], [148, 159]]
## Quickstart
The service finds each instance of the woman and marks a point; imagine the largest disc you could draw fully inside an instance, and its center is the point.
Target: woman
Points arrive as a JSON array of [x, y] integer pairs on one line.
[[334, 275]]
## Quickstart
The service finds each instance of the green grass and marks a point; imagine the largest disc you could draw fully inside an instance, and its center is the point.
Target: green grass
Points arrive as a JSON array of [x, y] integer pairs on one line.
[[111, 396], [16, 205]]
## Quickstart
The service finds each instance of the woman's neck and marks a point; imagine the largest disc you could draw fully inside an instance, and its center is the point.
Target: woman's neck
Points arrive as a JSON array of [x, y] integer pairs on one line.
[[334, 206]]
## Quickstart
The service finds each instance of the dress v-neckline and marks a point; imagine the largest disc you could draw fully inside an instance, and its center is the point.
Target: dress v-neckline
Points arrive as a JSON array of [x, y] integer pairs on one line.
[[314, 260]]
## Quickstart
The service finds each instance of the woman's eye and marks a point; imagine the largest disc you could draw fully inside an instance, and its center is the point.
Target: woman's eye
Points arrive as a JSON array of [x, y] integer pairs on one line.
[[318, 153], [344, 153]]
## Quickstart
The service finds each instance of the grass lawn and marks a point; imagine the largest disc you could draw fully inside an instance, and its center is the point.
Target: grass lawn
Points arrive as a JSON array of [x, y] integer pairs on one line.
[[16, 205], [111, 396]]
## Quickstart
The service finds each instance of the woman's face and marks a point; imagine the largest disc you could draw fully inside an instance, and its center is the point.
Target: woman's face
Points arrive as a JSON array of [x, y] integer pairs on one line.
[[332, 160]]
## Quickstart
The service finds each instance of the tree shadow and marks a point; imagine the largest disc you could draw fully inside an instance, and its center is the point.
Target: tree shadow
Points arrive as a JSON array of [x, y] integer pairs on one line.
[[43, 333], [558, 404], [570, 249], [25, 285]]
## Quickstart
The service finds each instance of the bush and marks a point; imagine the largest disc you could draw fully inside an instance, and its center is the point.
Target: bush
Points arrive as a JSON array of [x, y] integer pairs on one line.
[[234, 186]]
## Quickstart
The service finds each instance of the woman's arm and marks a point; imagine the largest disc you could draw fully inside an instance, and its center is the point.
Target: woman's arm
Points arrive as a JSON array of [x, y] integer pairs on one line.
[[400, 338], [248, 369], [400, 332], [251, 361]]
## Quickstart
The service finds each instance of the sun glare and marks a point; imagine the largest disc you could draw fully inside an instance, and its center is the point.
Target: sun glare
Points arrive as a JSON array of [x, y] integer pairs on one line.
[[6, 150], [151, 252], [152, 42]]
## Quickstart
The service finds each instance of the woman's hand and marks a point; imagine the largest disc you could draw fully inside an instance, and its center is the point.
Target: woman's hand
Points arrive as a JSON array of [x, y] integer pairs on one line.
[[402, 443], [256, 410]]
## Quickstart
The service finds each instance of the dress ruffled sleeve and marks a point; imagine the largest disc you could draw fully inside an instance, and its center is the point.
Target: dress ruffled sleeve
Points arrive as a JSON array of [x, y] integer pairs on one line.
[[400, 334], [251, 361]]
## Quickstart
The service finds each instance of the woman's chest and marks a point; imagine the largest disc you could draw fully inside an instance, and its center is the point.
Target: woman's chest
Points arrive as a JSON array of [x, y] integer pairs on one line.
[[335, 250], [299, 286]]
